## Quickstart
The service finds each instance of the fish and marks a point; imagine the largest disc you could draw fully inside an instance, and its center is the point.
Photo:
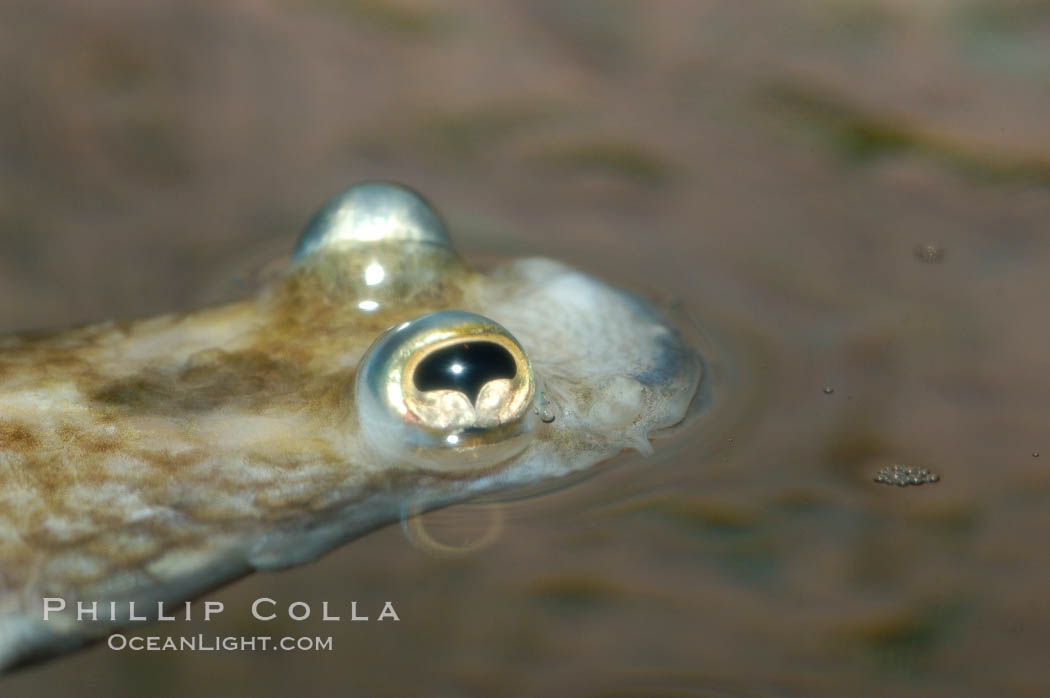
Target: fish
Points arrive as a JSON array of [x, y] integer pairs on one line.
[[377, 377]]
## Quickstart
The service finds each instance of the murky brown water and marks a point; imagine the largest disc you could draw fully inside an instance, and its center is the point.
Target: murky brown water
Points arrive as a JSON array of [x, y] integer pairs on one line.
[[781, 169]]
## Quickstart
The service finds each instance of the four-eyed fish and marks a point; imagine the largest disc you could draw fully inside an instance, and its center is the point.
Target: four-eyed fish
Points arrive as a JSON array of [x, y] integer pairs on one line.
[[379, 377]]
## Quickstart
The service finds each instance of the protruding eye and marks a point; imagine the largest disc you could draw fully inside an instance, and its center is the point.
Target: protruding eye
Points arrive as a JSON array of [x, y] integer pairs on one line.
[[373, 212], [448, 390]]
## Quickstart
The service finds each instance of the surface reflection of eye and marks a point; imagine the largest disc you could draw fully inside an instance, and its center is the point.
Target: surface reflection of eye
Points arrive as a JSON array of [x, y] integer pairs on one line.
[[448, 390]]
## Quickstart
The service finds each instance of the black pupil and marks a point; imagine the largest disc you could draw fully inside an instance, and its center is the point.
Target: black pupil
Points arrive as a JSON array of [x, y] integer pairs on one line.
[[464, 367]]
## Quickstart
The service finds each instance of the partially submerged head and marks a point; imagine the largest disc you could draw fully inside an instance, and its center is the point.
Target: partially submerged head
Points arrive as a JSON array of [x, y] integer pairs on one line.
[[530, 371]]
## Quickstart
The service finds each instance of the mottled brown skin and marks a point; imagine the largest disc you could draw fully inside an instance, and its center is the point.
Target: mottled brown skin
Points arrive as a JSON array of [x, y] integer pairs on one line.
[[122, 445], [152, 460]]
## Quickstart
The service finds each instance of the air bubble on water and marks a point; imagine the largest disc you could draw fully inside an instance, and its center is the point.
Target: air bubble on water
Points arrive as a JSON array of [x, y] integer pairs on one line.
[[1035, 454], [828, 390], [929, 253]]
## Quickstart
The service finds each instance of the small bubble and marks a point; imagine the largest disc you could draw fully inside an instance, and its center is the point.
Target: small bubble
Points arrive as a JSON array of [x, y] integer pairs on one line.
[[828, 390], [1035, 454], [544, 411], [929, 253]]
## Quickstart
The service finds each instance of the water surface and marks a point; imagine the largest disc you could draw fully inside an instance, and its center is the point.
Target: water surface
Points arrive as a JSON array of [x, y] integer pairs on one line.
[[847, 199]]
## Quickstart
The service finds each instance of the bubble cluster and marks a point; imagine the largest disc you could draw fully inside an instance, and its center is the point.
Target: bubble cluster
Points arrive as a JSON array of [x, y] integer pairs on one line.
[[904, 475], [929, 253]]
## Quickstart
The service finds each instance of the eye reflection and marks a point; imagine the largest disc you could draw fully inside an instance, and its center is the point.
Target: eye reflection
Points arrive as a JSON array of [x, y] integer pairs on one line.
[[374, 274], [464, 367], [448, 390]]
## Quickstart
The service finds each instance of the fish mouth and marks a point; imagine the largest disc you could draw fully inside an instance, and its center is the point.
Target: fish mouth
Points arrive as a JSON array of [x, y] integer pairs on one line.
[[699, 406], [680, 376]]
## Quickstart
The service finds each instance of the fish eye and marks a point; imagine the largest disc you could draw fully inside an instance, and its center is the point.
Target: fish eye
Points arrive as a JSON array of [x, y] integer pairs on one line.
[[373, 212], [449, 390]]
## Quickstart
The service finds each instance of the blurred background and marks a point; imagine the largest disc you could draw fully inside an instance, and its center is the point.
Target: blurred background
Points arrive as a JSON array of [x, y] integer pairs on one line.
[[847, 200]]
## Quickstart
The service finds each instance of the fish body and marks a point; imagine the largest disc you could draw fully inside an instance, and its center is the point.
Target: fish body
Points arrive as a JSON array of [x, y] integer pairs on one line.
[[377, 378]]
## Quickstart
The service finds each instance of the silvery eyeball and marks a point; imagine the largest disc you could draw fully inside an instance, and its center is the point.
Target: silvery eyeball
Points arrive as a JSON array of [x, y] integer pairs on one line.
[[448, 391], [373, 212]]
